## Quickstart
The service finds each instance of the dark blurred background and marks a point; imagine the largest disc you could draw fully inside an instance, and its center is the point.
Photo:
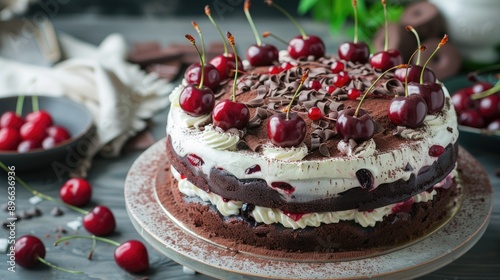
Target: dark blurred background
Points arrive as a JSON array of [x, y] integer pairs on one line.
[[159, 8]]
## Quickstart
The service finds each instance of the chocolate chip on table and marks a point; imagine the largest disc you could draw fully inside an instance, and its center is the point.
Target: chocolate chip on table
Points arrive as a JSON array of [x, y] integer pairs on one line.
[[25, 215], [56, 211], [34, 212]]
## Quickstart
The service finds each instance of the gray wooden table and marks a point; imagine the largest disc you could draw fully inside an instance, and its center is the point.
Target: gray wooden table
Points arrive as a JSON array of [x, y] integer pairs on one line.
[[108, 175]]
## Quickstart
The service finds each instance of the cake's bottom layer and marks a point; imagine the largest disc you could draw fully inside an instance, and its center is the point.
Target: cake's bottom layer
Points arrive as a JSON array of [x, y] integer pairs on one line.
[[346, 236]]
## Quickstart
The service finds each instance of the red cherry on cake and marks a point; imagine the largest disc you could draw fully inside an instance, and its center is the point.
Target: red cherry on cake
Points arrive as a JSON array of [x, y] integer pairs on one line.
[[414, 72], [259, 54], [357, 52], [409, 111], [471, 118], [9, 139], [384, 60], [286, 66], [314, 113], [337, 66], [387, 58], [229, 114], [30, 251], [353, 93], [27, 145], [12, 120], [197, 101], [431, 92], [211, 76], [304, 47], [341, 79], [262, 55], [76, 192], [40, 117], [286, 132], [225, 64], [132, 256], [100, 221], [274, 69], [359, 128], [315, 84]]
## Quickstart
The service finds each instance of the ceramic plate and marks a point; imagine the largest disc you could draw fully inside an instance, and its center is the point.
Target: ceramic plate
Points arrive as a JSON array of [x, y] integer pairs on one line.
[[152, 222]]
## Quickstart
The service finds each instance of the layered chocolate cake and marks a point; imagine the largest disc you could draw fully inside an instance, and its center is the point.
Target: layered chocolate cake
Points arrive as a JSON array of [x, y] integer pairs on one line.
[[315, 153]]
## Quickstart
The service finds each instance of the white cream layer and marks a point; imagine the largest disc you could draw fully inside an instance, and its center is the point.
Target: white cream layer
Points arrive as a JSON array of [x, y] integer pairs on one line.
[[272, 215], [313, 179]]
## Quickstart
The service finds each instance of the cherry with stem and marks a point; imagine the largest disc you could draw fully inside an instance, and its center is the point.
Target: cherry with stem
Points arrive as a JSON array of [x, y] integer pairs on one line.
[[30, 251], [357, 52], [302, 45], [288, 129], [230, 113], [99, 220], [387, 58], [131, 256], [259, 54], [225, 62]]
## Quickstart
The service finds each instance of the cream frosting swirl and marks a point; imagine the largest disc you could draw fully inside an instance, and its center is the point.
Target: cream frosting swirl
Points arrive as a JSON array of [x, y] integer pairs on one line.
[[285, 154], [219, 140]]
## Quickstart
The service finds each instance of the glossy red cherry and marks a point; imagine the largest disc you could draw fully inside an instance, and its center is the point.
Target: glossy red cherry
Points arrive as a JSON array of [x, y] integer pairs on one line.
[[27, 145], [408, 111], [494, 125], [461, 100], [58, 132], [353, 93], [33, 130], [262, 55], [315, 84], [489, 107], [132, 256], [211, 75], [337, 66], [304, 47], [12, 120], [341, 79], [481, 86], [330, 89], [285, 132], [286, 66], [197, 101], [41, 118], [359, 128], [226, 64], [76, 192], [274, 69], [9, 139], [229, 114], [100, 221], [471, 118], [414, 74], [354, 52], [28, 250], [431, 92], [314, 113], [384, 60]]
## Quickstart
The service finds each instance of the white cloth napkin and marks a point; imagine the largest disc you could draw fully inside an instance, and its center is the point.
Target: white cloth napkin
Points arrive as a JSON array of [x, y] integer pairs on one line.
[[119, 94]]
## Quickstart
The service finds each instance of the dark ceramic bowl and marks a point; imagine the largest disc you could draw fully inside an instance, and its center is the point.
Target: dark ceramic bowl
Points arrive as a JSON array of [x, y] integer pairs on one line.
[[66, 155]]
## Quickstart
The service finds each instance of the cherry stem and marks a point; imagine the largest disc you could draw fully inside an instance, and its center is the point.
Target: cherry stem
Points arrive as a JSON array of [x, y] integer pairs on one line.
[[209, 15], [19, 105], [34, 103], [411, 29], [355, 7], [420, 48], [488, 92], [386, 20], [230, 38], [302, 80], [91, 252], [246, 8], [42, 260], [193, 42], [267, 34], [102, 239], [41, 195], [444, 40], [287, 14], [373, 85], [197, 28]]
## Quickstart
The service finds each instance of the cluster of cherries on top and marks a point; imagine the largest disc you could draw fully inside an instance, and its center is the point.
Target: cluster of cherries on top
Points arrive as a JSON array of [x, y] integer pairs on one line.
[[287, 129], [131, 255], [36, 130], [478, 105]]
